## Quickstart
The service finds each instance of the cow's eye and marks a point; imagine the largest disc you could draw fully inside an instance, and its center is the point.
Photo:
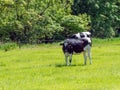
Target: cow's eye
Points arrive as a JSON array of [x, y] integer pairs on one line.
[[88, 35]]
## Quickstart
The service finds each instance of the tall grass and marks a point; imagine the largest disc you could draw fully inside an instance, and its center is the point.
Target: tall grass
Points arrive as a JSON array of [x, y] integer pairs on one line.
[[42, 67], [8, 46]]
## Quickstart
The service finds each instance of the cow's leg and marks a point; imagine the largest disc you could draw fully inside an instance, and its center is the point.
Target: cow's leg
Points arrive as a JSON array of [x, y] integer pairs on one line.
[[85, 57], [66, 58], [89, 54], [70, 58]]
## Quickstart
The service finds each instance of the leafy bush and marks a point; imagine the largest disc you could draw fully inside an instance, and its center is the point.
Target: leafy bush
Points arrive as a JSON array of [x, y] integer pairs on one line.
[[73, 24], [46, 28]]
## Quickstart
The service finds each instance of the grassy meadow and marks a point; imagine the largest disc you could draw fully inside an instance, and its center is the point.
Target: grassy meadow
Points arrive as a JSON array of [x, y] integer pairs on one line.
[[42, 67]]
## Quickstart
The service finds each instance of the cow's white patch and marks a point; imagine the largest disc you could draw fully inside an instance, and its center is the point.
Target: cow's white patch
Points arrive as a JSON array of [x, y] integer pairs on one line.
[[78, 35]]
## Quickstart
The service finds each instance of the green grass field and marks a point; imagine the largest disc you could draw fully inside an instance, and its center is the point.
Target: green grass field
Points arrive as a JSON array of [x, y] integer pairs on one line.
[[42, 67]]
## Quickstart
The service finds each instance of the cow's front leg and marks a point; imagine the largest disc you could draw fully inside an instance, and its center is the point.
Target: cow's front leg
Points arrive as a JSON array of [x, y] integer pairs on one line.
[[85, 57], [70, 58], [66, 58]]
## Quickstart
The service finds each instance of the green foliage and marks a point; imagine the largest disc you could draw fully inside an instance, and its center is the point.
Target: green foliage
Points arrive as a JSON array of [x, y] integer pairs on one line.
[[104, 15], [8, 46], [45, 28], [31, 20], [74, 24], [26, 20]]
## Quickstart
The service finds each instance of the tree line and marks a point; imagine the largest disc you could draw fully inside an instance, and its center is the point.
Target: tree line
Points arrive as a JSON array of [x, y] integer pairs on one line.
[[47, 20]]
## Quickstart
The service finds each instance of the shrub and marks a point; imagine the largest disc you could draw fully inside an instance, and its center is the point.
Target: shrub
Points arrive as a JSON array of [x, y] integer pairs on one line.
[[73, 24]]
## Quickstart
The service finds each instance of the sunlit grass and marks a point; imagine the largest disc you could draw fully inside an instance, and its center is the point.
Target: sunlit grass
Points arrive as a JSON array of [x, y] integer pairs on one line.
[[42, 67]]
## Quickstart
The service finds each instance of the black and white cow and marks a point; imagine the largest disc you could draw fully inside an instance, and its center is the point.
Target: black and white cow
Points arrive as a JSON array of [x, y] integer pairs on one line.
[[77, 45]]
